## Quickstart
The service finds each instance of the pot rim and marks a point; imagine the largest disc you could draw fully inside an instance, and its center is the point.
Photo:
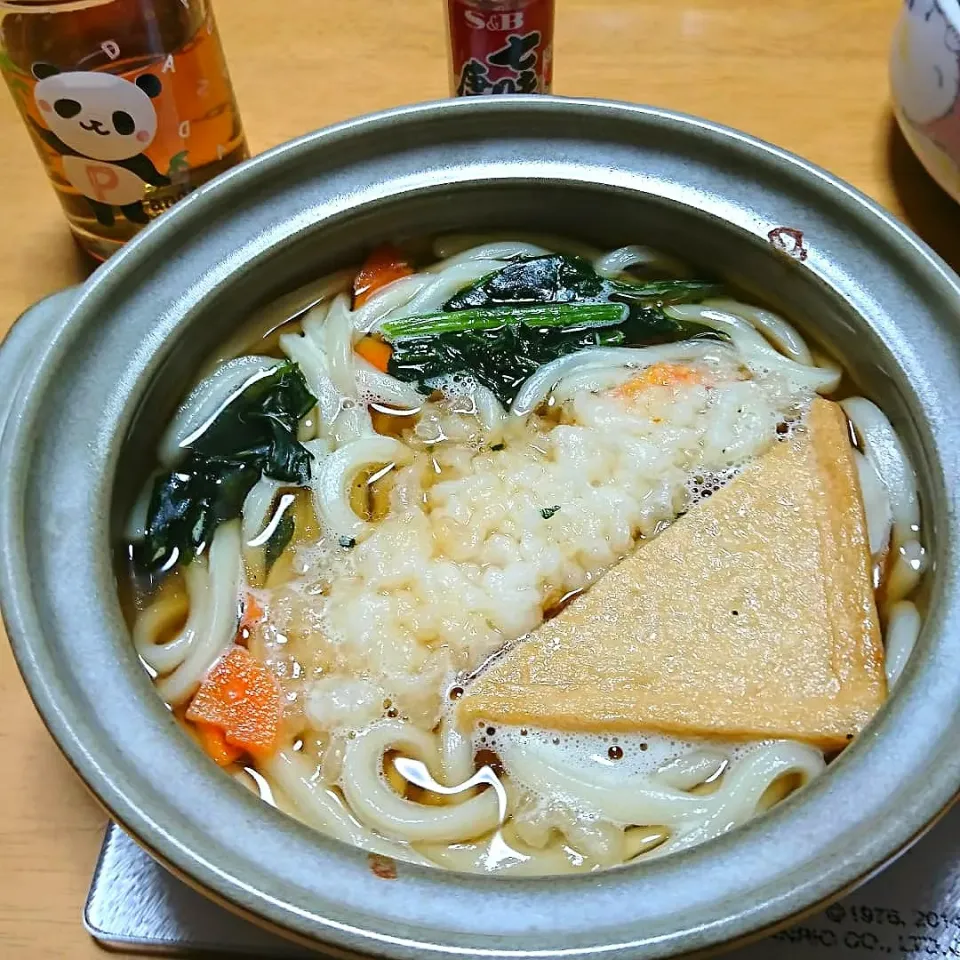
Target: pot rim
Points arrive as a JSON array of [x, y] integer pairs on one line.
[[797, 887]]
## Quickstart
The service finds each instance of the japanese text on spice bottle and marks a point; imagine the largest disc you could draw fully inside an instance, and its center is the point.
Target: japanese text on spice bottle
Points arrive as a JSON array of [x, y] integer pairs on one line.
[[500, 46]]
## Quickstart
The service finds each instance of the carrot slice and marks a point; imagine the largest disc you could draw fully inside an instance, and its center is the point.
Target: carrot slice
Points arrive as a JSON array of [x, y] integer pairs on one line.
[[215, 744], [241, 697], [252, 613], [383, 266], [375, 351], [662, 374]]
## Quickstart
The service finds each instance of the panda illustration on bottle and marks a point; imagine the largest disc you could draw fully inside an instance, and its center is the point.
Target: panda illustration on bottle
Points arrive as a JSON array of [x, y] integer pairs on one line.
[[100, 124]]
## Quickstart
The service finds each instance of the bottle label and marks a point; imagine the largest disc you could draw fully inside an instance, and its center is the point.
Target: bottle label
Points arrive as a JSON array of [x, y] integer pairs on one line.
[[501, 46]]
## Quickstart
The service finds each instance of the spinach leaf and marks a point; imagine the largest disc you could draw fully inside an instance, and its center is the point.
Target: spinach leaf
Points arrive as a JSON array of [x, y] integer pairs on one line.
[[255, 434]]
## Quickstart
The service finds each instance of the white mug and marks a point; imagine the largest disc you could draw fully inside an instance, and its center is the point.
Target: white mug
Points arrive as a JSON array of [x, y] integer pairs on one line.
[[925, 81]]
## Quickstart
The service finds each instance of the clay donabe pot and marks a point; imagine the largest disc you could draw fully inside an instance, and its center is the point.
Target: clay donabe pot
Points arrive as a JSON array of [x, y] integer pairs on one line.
[[99, 384]]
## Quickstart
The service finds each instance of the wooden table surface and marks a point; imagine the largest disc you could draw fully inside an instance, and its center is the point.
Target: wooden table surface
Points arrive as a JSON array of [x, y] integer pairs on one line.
[[807, 76]]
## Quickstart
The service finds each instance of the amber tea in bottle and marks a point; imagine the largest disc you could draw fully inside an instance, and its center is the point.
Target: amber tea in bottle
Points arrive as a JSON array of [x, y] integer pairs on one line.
[[129, 104]]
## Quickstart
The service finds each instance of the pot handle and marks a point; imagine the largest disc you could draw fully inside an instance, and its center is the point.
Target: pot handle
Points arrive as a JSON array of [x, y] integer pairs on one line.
[[19, 346]]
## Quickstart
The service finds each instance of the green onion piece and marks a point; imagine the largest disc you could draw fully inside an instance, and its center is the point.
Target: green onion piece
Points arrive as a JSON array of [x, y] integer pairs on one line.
[[555, 315]]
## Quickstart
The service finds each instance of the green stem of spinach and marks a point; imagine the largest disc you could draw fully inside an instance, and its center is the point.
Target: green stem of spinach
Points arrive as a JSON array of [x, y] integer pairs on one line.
[[552, 315]]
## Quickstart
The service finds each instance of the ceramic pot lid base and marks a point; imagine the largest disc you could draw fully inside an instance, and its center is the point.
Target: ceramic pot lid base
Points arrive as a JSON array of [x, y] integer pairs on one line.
[[908, 910]]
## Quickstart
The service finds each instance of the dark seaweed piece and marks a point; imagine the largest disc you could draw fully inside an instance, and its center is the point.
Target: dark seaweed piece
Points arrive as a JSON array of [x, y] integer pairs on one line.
[[281, 536], [348, 543], [548, 512], [261, 424], [254, 435], [550, 279]]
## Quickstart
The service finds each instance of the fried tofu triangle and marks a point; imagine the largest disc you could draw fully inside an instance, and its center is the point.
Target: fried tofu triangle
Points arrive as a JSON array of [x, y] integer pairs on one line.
[[752, 616]]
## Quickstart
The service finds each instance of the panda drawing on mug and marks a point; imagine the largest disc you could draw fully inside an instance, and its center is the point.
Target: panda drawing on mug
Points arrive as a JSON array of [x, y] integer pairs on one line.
[[100, 124]]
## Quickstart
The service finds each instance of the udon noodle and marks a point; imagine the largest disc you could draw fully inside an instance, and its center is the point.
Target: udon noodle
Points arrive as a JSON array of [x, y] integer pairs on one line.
[[390, 531]]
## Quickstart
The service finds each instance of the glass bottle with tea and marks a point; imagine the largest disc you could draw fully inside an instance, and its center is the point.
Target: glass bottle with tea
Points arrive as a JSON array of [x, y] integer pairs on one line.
[[129, 103]]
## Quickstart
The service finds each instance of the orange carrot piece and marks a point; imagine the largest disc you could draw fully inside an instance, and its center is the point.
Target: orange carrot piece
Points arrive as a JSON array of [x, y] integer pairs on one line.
[[215, 744], [241, 697], [375, 351], [384, 265], [662, 374], [252, 613]]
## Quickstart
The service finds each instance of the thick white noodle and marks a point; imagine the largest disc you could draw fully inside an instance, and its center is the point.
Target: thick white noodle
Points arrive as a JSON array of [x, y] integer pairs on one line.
[[592, 380], [903, 628], [612, 264], [318, 448], [307, 427], [258, 521], [155, 622], [352, 423], [388, 298], [780, 333], [206, 400], [334, 474], [687, 771], [876, 504], [336, 335], [483, 402], [257, 508], [755, 349], [323, 810], [490, 411], [496, 855], [537, 387], [456, 753], [647, 800], [502, 250], [909, 562], [376, 386], [432, 297], [274, 314], [538, 819], [378, 806], [736, 800], [306, 353], [882, 447], [220, 623], [136, 526]]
